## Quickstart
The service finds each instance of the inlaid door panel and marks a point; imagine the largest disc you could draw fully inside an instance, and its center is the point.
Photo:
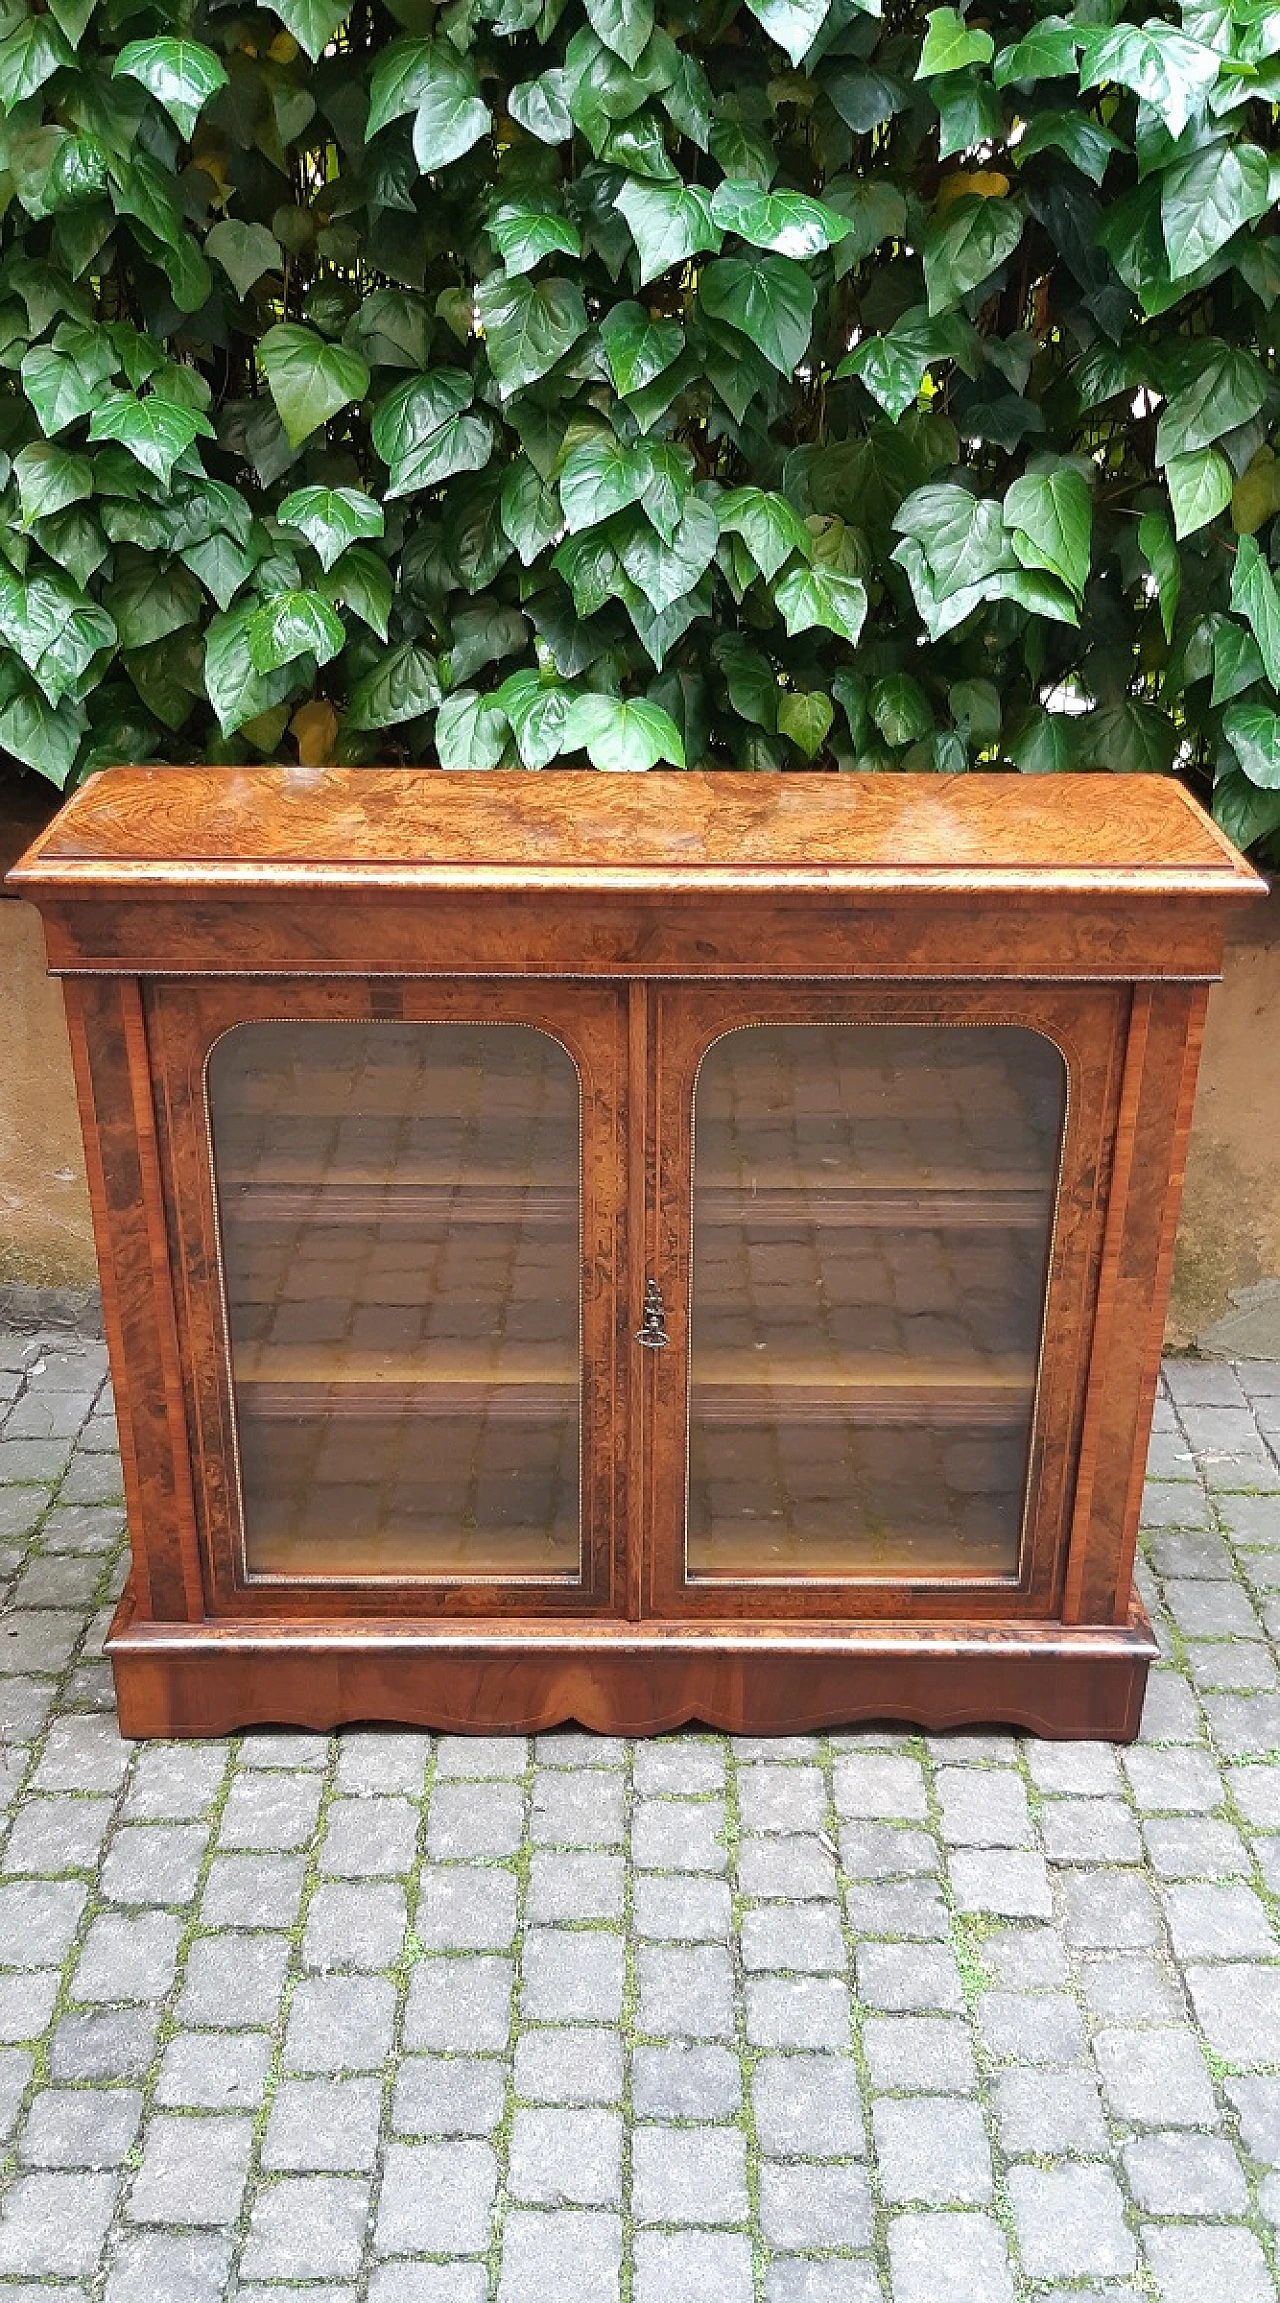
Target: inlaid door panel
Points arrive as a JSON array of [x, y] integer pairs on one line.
[[878, 1225], [401, 1231]]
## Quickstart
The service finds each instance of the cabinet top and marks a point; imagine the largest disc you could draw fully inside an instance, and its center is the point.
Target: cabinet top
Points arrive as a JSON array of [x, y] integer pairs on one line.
[[257, 829]]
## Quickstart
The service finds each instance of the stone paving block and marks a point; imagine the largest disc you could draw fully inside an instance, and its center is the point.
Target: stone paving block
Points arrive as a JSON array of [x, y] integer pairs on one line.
[[26, 2004], [575, 1886], [907, 1978], [681, 1907], [1186, 2175], [323, 2126], [1237, 1664], [583, 1810], [154, 1863], [808, 2106], [781, 1798], [193, 2170], [80, 2127], [459, 2003], [350, 1925], [1210, 1921], [684, 1993], [1192, 1554], [1211, 1610], [1257, 2104], [233, 1982], [685, 1764], [488, 1757], [369, 1838], [1189, 2265], [214, 2071], [116, 2044], [679, 1835], [420, 2283], [1155, 2078], [689, 2175], [371, 1760], [949, 2259], [869, 1786], [684, 2081], [920, 2054], [128, 1957], [1025, 1958], [450, 2094], [57, 1834], [1108, 1910], [809, 1941], [983, 1808], [1002, 1881], [279, 1747], [174, 1782], [339, 2023], [794, 1869], [809, 2279], [801, 2011], [1194, 1847], [578, 2252], [1070, 2222], [307, 2227], [887, 1851], [1249, 1519], [1089, 1831], [573, 1975], [566, 2158], [180, 2266], [38, 1919], [569, 2066], [16, 2065], [466, 1909], [803, 2206], [270, 1811], [54, 2225], [1041, 2027], [1244, 1726], [913, 1908], [1238, 2009], [468, 1819], [1256, 1792], [931, 2150], [1049, 2114], [1170, 1713]]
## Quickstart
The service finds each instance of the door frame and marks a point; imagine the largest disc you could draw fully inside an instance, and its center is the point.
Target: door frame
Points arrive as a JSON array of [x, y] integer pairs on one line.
[[185, 1018], [1088, 1024]]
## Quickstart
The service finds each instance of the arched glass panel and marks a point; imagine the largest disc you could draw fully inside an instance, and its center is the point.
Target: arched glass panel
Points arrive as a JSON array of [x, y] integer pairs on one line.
[[872, 1215], [399, 1211]]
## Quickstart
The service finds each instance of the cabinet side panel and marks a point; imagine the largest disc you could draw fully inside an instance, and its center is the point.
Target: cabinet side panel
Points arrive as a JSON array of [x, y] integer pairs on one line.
[[109, 1050], [1161, 1060]]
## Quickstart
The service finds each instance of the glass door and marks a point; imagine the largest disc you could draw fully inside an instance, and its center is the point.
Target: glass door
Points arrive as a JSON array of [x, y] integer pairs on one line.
[[872, 1235], [409, 1247]]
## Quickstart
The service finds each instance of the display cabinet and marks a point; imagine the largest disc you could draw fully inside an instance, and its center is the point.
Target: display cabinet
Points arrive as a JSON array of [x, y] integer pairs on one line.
[[633, 1249]]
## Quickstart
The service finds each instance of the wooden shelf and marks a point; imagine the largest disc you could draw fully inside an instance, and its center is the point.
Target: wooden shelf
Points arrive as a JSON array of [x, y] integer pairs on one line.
[[861, 1205], [332, 1200]]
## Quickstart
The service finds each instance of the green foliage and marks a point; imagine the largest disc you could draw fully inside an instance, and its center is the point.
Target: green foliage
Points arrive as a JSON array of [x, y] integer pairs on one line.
[[770, 384]]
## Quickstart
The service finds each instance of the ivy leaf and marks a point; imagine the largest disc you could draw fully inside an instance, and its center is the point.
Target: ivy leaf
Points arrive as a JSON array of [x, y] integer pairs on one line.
[[42, 737], [1087, 144], [313, 23], [1228, 388], [900, 709], [402, 685], [293, 624], [623, 25], [1047, 52], [666, 569], [1156, 544], [822, 597], [539, 717], [1253, 731], [1209, 197], [451, 114], [331, 518], [149, 600], [788, 222], [623, 737], [542, 107], [155, 431], [893, 367], [416, 409], [528, 327], [49, 479], [949, 45], [1050, 515], [464, 444], [362, 582], [1255, 597], [770, 301], [794, 24], [1168, 71], [1129, 738], [599, 477], [524, 231], [181, 74], [245, 252], [309, 379], [471, 731], [806, 719], [1199, 488], [237, 691], [29, 56], [964, 245], [769, 526], [529, 510], [59, 391], [668, 222], [637, 348]]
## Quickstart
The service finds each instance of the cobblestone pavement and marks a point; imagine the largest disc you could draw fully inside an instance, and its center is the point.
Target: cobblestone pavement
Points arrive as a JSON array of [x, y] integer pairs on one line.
[[387, 2018]]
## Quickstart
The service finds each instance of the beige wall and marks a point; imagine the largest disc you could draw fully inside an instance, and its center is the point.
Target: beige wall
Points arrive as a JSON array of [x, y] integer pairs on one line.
[[1229, 1237]]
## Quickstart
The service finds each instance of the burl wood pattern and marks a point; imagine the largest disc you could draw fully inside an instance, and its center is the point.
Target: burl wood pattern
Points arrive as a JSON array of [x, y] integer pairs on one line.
[[636, 920]]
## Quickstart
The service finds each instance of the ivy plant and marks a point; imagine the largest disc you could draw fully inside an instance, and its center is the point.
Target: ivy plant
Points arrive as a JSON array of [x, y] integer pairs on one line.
[[744, 383]]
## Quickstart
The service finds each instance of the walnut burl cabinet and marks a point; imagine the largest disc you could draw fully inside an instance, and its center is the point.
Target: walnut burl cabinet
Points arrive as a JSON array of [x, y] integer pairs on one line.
[[633, 1249]]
